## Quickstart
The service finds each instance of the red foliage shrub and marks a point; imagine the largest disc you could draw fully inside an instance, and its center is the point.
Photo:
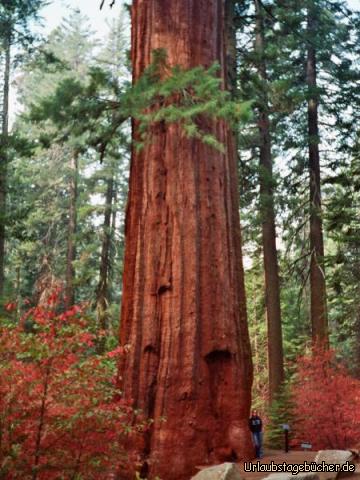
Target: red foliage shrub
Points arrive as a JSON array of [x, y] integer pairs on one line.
[[327, 402], [60, 413]]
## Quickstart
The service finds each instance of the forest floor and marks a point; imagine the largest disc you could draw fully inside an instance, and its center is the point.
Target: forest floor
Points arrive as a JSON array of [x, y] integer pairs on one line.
[[294, 456]]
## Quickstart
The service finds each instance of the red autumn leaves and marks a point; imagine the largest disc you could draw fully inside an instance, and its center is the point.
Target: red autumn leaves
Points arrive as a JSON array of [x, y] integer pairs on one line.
[[327, 402], [60, 413]]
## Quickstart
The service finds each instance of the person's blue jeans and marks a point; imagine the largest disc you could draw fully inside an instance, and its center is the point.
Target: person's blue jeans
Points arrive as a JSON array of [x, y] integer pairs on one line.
[[257, 441]]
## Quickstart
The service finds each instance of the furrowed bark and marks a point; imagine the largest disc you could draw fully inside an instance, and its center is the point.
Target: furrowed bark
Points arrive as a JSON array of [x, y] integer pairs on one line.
[[183, 305], [272, 284], [317, 270]]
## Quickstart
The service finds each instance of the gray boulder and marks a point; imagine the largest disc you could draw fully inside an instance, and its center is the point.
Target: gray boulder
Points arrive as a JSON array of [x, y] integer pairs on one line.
[[337, 457], [225, 471], [334, 456], [290, 476]]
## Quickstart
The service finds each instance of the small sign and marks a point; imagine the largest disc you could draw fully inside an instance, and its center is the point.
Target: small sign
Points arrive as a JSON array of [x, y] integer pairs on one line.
[[306, 446], [285, 426]]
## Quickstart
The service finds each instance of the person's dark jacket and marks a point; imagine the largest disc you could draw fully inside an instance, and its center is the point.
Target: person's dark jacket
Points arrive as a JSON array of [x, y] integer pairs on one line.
[[255, 424]]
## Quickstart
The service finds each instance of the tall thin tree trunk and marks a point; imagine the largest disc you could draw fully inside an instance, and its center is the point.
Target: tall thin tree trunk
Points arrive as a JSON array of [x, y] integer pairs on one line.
[[317, 271], [183, 308], [230, 81], [102, 294], [231, 76], [114, 210], [3, 157], [272, 284], [18, 293], [72, 227], [230, 47], [256, 345]]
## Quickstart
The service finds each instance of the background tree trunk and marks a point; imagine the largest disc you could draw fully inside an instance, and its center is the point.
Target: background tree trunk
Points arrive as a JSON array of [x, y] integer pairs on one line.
[[102, 294], [3, 158], [317, 271], [72, 226], [272, 285], [183, 308], [231, 76], [230, 47]]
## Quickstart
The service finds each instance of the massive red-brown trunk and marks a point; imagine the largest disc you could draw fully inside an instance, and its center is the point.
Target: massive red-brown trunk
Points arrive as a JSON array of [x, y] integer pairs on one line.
[[272, 284], [317, 271], [183, 308]]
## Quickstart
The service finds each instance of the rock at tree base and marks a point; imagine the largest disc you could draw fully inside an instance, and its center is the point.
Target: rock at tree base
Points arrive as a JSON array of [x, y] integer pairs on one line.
[[338, 457], [335, 456], [290, 476], [225, 471]]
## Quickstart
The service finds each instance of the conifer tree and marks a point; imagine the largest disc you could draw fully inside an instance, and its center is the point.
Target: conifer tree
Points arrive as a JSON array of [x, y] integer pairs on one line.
[[304, 94], [343, 224], [317, 270], [319, 37], [286, 41], [64, 60], [271, 269], [113, 60], [15, 18]]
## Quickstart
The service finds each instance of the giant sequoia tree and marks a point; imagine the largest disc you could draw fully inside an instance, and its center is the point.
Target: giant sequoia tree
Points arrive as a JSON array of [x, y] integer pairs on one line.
[[183, 308]]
